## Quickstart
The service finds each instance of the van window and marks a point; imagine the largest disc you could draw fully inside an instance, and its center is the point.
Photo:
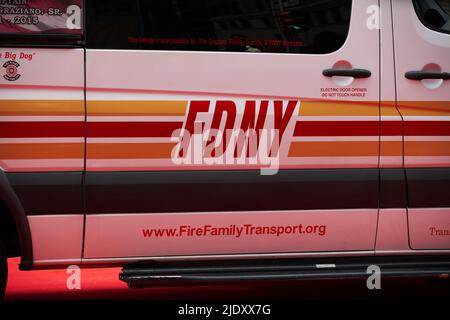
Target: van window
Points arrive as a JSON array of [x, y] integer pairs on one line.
[[46, 17], [37, 22], [435, 14], [275, 26]]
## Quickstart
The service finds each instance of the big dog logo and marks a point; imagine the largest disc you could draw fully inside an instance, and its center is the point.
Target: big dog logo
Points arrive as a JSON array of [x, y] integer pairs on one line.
[[11, 69], [236, 132]]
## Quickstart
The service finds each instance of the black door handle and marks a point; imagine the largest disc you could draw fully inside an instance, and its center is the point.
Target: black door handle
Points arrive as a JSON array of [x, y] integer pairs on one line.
[[355, 73], [422, 75]]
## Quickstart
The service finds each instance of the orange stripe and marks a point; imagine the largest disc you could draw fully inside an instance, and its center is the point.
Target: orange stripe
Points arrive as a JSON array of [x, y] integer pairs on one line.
[[129, 108], [320, 108], [427, 148], [391, 148], [129, 150], [41, 151], [334, 149], [41, 107]]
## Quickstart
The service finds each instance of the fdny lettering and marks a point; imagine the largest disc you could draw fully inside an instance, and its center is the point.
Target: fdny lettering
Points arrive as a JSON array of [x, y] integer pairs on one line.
[[247, 132], [282, 114]]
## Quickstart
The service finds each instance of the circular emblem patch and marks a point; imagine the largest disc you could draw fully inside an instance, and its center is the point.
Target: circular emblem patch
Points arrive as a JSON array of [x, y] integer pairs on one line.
[[11, 68]]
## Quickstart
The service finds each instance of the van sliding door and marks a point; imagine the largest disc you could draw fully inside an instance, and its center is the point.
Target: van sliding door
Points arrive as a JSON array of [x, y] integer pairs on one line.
[[305, 71]]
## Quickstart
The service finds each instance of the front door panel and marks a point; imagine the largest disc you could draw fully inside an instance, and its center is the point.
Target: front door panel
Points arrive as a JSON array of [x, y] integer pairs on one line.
[[425, 108]]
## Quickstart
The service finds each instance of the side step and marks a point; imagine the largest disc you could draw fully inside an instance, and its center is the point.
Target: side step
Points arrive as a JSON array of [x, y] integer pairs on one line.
[[162, 274]]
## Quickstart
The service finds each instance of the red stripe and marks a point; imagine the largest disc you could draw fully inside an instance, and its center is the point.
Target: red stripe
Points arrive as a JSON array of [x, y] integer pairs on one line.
[[371, 128], [165, 129], [391, 128], [132, 129], [427, 128], [41, 129], [337, 128]]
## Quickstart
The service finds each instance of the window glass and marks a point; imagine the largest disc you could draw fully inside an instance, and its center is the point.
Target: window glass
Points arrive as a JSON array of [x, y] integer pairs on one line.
[[276, 26], [435, 14], [41, 17]]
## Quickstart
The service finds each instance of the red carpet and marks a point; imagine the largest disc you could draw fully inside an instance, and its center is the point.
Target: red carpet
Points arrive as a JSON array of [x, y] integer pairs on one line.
[[104, 284], [51, 284]]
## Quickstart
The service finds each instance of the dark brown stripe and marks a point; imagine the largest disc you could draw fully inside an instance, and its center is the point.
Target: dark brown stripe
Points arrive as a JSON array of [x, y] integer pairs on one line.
[[428, 187], [49, 193], [200, 191]]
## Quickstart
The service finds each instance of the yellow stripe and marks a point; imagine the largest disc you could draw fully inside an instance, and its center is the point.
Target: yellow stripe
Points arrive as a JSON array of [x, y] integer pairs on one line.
[[41, 107], [424, 108], [320, 108], [130, 108], [388, 109]]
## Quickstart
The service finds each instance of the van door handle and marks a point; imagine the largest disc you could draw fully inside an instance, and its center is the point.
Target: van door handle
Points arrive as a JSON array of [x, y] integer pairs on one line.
[[354, 73], [422, 75]]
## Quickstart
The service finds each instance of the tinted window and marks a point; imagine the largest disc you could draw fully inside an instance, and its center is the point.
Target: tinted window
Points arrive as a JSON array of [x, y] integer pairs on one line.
[[435, 14], [280, 26], [41, 17], [41, 22]]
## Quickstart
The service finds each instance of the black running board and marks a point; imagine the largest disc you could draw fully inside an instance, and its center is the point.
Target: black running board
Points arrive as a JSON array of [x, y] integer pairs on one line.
[[227, 272]]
